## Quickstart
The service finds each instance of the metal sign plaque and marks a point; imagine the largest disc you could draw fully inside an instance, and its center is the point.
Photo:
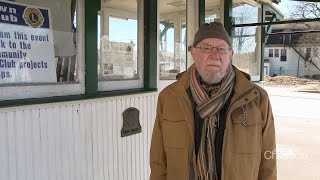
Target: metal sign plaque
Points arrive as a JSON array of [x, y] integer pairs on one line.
[[131, 124]]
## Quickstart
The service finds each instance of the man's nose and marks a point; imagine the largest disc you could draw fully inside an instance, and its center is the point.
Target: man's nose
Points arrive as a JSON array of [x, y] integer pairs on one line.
[[214, 53]]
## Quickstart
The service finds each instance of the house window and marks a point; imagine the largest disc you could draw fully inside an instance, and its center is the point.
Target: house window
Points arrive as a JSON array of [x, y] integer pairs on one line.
[[308, 53], [283, 55], [315, 52], [276, 53], [270, 52]]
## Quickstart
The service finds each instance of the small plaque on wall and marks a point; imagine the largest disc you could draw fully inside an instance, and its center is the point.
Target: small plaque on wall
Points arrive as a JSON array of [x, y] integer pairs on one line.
[[131, 124]]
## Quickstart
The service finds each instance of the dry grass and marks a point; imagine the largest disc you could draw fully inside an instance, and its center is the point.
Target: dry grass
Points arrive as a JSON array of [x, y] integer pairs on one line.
[[290, 80]]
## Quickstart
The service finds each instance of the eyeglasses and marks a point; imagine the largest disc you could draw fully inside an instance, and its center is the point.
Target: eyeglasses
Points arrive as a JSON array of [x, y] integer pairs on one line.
[[209, 49]]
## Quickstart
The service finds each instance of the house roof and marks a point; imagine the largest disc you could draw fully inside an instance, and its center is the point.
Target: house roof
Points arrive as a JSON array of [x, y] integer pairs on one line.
[[298, 33]]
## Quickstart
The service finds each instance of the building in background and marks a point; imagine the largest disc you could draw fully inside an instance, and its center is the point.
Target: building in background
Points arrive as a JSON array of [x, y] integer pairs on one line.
[[296, 52]]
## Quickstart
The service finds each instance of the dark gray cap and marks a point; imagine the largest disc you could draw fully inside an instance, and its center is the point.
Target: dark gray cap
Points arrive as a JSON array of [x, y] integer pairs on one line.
[[212, 30]]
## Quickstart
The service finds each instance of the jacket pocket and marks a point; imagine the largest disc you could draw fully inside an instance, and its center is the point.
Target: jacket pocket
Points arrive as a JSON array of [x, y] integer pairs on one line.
[[246, 131], [174, 133]]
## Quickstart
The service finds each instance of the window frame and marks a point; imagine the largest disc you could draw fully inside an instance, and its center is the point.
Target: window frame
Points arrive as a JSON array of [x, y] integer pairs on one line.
[[187, 26], [230, 25], [135, 83], [88, 79], [283, 58]]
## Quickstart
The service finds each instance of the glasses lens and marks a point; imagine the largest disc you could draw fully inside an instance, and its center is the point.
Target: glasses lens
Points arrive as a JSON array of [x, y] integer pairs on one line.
[[206, 49], [222, 49]]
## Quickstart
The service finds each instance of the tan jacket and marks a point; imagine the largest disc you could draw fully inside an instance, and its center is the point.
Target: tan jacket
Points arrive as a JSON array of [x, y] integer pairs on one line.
[[248, 152]]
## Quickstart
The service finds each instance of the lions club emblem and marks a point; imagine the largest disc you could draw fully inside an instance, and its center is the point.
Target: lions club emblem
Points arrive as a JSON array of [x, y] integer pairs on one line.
[[33, 17]]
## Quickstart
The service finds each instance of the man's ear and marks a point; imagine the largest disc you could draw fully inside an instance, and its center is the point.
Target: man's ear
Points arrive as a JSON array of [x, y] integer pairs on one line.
[[232, 53], [191, 49]]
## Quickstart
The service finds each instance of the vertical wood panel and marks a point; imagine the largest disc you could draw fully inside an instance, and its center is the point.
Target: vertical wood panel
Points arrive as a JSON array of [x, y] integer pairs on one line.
[[29, 147], [94, 142], [145, 141], [133, 154], [139, 162], [124, 141], [83, 149], [20, 144], [51, 144], [36, 146], [43, 143], [4, 154], [77, 141], [57, 143], [64, 143], [70, 143], [111, 142], [105, 141], [12, 146], [119, 140], [88, 127], [99, 112]]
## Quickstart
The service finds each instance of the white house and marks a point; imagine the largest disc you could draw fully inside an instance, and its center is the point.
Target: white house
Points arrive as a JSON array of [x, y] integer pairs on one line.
[[293, 54]]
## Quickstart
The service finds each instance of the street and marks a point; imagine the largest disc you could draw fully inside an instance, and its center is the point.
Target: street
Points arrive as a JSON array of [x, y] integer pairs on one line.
[[297, 121]]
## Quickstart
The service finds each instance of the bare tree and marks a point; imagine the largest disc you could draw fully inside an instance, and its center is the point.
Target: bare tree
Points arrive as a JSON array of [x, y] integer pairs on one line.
[[243, 34], [307, 10], [303, 10]]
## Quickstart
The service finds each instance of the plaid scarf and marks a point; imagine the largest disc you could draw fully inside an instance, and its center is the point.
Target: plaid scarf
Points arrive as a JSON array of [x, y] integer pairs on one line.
[[208, 106]]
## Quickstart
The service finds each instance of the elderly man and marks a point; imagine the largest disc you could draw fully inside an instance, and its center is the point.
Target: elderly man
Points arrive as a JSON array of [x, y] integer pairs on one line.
[[213, 123]]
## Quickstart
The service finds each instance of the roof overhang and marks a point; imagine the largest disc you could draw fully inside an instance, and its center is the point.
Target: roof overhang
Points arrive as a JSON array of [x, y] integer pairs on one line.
[[272, 8]]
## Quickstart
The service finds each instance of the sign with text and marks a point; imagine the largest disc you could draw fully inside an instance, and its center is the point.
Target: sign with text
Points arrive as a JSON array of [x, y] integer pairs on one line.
[[26, 44], [117, 58]]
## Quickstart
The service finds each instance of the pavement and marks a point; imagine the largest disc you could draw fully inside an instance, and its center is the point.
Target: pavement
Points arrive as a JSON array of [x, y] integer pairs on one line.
[[297, 123]]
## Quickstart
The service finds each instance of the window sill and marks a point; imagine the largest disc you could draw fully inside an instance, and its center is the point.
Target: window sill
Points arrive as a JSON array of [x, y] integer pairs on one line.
[[36, 101]]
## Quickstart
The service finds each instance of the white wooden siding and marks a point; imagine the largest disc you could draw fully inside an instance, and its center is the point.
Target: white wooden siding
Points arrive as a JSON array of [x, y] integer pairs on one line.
[[76, 140]]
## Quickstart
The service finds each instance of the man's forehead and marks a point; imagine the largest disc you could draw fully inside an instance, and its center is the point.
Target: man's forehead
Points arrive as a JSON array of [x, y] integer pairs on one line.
[[213, 41]]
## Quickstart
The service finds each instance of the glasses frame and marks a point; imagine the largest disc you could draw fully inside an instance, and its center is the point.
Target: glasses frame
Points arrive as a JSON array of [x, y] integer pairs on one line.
[[213, 47]]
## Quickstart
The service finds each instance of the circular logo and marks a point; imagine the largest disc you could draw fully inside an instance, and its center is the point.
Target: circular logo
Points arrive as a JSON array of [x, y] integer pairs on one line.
[[129, 49], [33, 17]]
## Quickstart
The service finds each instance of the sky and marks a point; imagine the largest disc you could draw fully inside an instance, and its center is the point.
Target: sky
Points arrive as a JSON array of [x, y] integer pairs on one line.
[[284, 7]]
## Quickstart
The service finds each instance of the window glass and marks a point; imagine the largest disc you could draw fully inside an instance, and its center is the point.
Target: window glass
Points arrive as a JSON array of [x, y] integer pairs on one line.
[[276, 53], [247, 49], [308, 53], [270, 52], [172, 45], [244, 13], [213, 13], [298, 9], [38, 41], [283, 55], [118, 41]]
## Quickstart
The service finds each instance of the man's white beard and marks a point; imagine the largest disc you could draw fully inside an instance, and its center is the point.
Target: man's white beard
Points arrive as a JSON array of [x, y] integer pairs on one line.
[[212, 78]]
